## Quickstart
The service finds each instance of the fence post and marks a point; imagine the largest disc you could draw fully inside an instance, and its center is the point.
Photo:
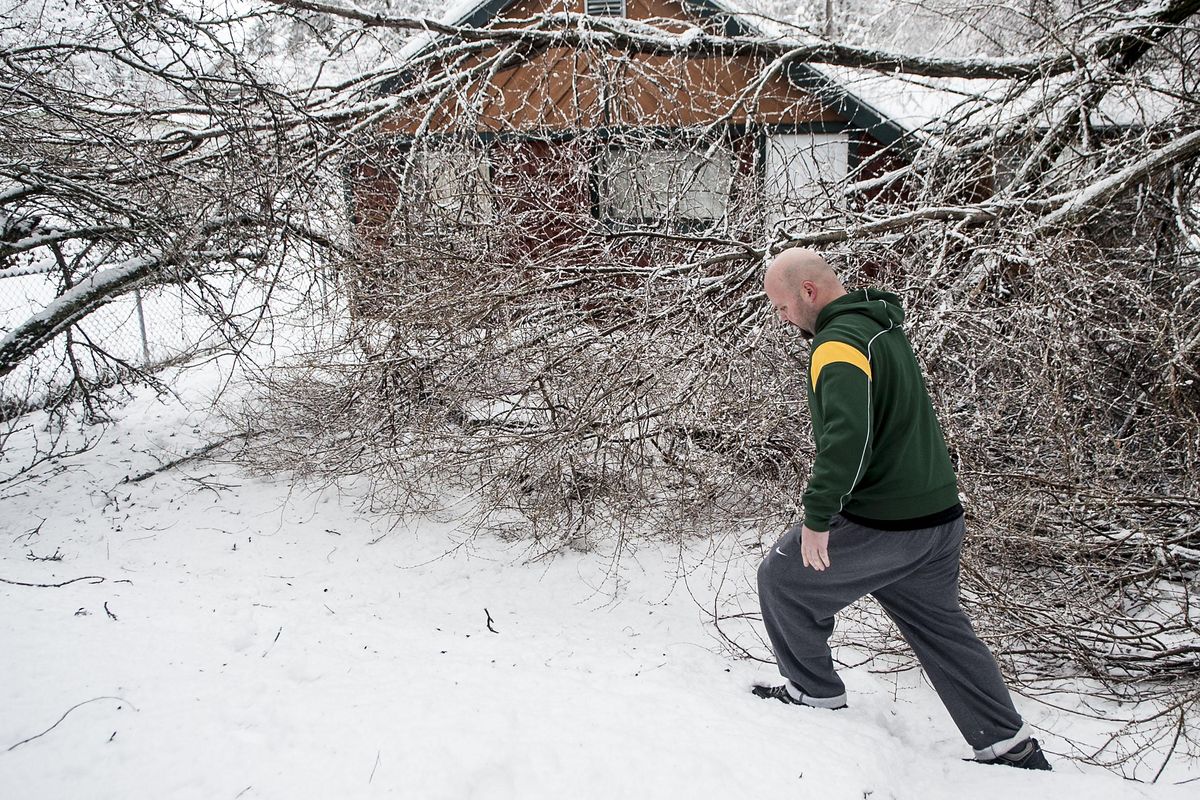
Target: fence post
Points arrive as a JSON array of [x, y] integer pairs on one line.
[[137, 296]]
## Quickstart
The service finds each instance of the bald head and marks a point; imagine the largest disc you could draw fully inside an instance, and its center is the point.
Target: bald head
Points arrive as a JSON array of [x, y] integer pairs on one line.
[[799, 283], [795, 265]]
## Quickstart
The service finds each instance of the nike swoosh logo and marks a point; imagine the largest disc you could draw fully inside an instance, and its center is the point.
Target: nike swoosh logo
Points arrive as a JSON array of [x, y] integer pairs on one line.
[[777, 550]]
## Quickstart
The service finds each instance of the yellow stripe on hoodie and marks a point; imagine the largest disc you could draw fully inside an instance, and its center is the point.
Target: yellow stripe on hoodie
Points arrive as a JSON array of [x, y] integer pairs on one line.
[[836, 353]]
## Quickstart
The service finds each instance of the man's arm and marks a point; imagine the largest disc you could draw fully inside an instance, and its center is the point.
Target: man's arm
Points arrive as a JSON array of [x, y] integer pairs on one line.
[[842, 394]]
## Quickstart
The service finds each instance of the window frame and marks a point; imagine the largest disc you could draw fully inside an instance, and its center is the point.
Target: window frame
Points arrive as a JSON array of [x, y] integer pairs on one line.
[[777, 213], [441, 214], [663, 142]]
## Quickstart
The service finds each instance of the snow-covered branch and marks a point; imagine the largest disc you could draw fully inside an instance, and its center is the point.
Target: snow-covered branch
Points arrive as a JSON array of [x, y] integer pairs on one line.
[[44, 237], [73, 305], [1131, 37], [1082, 202]]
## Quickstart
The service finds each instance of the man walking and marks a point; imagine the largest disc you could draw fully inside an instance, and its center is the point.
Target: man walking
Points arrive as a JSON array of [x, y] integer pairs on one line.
[[881, 516]]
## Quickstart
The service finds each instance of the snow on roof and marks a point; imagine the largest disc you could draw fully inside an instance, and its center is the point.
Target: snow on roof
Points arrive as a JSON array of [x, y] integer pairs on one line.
[[457, 13], [916, 103], [910, 104], [1143, 99]]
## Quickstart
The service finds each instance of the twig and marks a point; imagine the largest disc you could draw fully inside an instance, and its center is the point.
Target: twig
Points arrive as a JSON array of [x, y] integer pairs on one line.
[[89, 578], [273, 641], [377, 753], [64, 716], [31, 533], [110, 614], [489, 621], [1174, 743]]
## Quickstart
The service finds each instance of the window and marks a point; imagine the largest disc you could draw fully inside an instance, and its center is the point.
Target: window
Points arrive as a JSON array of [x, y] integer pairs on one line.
[[805, 173], [658, 183], [448, 187], [605, 8]]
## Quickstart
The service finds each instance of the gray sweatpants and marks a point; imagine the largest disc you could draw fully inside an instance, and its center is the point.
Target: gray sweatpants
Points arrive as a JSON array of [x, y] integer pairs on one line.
[[914, 576]]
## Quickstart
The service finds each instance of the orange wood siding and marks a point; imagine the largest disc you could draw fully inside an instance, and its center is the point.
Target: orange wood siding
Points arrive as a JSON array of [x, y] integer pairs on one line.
[[566, 89]]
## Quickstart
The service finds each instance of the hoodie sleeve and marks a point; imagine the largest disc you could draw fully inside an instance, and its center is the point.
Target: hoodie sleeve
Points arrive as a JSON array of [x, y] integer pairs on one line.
[[841, 395]]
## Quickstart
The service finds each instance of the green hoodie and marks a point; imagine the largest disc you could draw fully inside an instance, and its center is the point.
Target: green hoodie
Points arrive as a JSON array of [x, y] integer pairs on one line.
[[880, 451]]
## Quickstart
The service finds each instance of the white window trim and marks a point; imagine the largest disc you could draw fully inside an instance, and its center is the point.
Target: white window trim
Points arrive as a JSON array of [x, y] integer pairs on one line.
[[804, 173]]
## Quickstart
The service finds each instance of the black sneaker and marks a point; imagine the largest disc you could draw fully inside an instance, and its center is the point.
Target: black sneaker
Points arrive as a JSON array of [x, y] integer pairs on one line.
[[781, 694], [1027, 755]]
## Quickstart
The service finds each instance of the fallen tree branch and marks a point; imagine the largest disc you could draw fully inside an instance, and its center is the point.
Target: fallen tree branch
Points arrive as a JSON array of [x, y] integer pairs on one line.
[[1123, 41], [965, 214], [115, 281], [53, 236], [64, 716], [88, 578], [203, 451], [1099, 193], [72, 306]]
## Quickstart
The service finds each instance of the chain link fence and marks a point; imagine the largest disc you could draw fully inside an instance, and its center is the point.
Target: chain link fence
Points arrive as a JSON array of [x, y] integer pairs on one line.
[[143, 330]]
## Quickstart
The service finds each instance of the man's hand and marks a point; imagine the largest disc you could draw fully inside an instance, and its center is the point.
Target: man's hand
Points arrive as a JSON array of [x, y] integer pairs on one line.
[[814, 548]]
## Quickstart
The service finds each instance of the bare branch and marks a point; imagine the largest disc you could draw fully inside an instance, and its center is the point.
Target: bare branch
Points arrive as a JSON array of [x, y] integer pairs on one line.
[[1125, 43]]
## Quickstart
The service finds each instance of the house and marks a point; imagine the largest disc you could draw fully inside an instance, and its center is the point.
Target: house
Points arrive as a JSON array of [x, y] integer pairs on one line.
[[540, 147]]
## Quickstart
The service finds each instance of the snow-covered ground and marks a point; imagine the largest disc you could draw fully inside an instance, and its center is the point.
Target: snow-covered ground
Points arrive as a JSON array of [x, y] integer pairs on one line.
[[253, 639]]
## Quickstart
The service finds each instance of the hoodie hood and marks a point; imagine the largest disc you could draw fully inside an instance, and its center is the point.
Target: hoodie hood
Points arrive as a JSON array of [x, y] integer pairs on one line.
[[882, 307]]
